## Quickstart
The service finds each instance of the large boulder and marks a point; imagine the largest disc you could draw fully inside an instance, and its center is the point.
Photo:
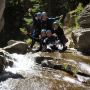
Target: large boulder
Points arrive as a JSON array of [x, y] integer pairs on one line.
[[84, 18], [81, 39], [10, 42], [2, 6], [17, 47]]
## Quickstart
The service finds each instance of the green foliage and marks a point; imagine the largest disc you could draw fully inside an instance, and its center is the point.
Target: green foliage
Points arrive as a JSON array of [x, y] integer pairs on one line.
[[78, 11], [16, 13], [28, 21], [28, 41], [23, 30], [75, 14], [70, 68]]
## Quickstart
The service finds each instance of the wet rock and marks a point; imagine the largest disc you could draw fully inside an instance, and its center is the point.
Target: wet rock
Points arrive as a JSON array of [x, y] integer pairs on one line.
[[81, 40], [2, 52], [58, 67], [8, 63], [87, 83], [84, 18], [18, 47], [40, 59], [6, 75], [2, 60], [46, 63]]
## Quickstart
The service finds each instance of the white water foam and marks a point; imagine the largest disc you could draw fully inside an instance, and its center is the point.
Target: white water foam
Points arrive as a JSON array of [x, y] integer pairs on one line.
[[22, 62], [71, 80], [82, 78], [84, 67]]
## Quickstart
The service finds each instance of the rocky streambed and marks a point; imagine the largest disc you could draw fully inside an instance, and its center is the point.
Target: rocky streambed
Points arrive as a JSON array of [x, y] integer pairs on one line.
[[42, 71]]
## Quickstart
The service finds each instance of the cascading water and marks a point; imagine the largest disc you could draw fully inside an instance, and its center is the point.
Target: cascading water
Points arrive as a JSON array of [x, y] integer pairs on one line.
[[22, 63], [84, 67], [38, 78]]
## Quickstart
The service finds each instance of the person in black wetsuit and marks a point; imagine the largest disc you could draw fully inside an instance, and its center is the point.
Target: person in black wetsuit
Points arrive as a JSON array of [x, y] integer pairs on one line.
[[48, 22], [60, 34], [37, 27], [36, 21], [37, 24], [52, 42]]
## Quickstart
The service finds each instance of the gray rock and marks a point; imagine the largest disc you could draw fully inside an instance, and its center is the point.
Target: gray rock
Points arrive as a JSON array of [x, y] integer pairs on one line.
[[81, 39], [10, 42], [46, 63], [84, 18], [17, 47]]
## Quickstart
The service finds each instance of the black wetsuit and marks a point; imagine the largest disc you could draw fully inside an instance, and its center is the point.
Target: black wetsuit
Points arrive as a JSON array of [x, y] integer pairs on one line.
[[37, 29], [47, 24], [37, 26], [52, 44], [61, 36], [50, 40]]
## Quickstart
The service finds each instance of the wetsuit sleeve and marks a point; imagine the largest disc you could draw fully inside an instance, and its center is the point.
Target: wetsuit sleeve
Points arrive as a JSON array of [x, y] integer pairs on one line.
[[57, 18], [53, 19]]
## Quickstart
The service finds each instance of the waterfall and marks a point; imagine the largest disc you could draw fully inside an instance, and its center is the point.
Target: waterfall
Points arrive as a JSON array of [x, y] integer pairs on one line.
[[22, 63]]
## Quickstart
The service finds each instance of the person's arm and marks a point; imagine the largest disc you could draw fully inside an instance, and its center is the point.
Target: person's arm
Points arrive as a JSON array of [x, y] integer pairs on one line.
[[56, 18], [63, 37], [59, 17]]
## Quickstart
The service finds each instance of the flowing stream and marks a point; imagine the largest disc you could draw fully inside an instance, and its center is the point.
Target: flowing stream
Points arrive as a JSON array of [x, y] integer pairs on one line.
[[26, 74]]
